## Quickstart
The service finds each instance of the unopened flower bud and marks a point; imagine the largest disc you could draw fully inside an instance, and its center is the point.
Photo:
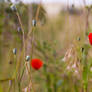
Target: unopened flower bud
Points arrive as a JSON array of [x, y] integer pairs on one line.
[[13, 8], [34, 23], [19, 29], [82, 49], [14, 51], [27, 58]]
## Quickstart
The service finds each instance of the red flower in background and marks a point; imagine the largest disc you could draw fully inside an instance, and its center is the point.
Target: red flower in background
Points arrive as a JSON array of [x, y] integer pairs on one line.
[[90, 38], [36, 63]]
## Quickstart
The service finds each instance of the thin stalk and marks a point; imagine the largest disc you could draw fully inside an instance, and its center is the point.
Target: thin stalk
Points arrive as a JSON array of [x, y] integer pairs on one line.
[[22, 32], [7, 79], [38, 10], [10, 86], [24, 49], [14, 85], [22, 74], [30, 77], [19, 86]]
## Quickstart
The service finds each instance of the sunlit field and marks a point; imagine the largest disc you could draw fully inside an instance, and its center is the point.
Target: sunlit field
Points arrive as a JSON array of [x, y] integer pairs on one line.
[[39, 53]]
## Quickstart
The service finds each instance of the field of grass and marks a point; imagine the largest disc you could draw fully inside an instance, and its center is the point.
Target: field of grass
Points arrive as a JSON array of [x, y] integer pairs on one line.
[[60, 42]]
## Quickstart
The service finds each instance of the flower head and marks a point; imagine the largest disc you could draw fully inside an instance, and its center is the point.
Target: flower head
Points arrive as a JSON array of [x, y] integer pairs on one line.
[[90, 38], [36, 64]]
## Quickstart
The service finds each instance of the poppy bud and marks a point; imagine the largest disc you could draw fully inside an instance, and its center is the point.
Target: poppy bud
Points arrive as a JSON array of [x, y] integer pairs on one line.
[[90, 38], [27, 58], [10, 62], [78, 38], [36, 64], [34, 22], [13, 8], [82, 49], [14, 51], [19, 29]]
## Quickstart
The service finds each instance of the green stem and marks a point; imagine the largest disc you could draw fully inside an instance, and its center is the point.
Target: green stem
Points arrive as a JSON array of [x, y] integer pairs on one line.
[[19, 86], [10, 86]]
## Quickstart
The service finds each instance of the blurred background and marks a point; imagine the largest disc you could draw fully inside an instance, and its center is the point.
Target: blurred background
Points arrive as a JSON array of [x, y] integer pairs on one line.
[[60, 40]]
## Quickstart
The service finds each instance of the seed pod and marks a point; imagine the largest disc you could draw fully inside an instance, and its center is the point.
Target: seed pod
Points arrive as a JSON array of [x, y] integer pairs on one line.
[[13, 8], [82, 49], [10, 62], [14, 51], [78, 38], [27, 58], [34, 23], [19, 29]]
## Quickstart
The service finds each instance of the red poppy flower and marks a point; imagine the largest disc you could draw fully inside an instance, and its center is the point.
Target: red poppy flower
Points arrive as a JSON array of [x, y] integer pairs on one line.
[[90, 38], [36, 63]]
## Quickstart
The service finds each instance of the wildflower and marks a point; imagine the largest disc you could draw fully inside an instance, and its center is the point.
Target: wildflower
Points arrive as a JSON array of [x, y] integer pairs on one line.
[[36, 64], [13, 8], [14, 51], [27, 58], [90, 38], [74, 66], [68, 67], [76, 71], [34, 22]]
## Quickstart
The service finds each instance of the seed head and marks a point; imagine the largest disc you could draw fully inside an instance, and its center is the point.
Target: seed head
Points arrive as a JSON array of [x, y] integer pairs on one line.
[[13, 8], [34, 23], [27, 58], [78, 38], [14, 51], [82, 49], [10, 62], [19, 29]]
